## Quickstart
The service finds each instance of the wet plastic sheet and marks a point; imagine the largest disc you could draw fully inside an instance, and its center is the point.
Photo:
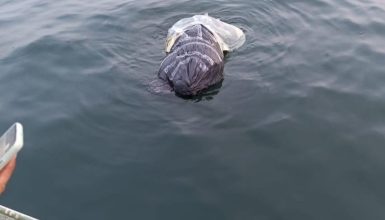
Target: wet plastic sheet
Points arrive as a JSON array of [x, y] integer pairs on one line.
[[228, 36]]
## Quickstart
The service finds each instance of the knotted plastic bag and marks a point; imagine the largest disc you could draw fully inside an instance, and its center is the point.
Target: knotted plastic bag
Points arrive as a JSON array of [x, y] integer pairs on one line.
[[228, 36]]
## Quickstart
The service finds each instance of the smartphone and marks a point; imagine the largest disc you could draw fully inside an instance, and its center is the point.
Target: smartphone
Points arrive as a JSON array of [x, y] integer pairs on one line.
[[10, 143]]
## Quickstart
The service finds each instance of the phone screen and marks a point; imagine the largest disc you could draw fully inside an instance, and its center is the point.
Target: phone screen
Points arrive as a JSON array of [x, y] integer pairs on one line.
[[7, 140]]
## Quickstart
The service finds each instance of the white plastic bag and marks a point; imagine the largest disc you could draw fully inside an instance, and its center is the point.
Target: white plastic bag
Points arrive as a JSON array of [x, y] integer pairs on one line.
[[228, 36]]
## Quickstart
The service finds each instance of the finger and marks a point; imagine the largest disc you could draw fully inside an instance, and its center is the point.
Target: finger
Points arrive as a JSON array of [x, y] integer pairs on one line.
[[6, 173]]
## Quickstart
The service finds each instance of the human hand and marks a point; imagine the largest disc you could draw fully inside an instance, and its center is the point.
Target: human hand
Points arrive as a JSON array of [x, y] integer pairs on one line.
[[6, 173]]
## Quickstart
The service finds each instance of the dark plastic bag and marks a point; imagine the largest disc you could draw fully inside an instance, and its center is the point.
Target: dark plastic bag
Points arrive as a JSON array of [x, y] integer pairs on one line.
[[195, 53]]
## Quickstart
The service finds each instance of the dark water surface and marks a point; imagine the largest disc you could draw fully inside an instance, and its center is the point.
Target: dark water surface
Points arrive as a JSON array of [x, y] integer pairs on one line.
[[297, 130]]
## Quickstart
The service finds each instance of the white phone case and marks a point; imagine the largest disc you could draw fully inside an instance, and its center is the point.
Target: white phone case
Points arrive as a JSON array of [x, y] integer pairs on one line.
[[10, 143]]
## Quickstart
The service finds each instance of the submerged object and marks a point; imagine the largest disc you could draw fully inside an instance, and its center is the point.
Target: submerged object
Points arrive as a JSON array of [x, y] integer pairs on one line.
[[195, 52]]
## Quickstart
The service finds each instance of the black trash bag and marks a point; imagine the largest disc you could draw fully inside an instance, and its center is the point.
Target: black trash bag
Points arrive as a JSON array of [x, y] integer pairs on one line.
[[194, 63]]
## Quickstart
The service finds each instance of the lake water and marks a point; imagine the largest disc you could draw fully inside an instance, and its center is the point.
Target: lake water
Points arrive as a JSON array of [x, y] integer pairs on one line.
[[296, 131]]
